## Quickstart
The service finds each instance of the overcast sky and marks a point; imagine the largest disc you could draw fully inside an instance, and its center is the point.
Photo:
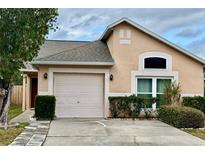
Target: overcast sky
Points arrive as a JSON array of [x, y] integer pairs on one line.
[[184, 27]]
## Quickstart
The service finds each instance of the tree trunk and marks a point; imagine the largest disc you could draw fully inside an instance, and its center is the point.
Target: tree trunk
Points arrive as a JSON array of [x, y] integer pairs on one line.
[[5, 106]]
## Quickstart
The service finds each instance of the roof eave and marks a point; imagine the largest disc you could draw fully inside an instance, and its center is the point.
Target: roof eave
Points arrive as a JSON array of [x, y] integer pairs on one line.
[[28, 70], [72, 63], [108, 28]]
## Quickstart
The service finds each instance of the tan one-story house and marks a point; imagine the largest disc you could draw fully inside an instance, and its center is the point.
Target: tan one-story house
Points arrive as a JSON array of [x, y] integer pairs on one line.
[[127, 59]]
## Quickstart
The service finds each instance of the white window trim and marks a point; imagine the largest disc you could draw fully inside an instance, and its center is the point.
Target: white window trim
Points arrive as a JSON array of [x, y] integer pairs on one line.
[[154, 85], [155, 54], [155, 68], [144, 93], [150, 74]]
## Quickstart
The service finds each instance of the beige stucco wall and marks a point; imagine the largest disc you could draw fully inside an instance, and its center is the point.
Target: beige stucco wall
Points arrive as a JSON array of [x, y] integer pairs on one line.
[[42, 83], [190, 72]]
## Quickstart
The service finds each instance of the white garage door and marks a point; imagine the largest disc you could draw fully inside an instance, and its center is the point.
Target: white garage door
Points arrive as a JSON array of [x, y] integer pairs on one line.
[[78, 95]]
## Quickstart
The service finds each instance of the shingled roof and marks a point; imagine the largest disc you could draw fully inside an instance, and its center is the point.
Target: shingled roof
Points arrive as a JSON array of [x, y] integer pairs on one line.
[[51, 47], [96, 52]]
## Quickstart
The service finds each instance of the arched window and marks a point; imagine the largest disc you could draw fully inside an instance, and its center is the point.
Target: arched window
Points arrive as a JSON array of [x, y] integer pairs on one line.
[[155, 63]]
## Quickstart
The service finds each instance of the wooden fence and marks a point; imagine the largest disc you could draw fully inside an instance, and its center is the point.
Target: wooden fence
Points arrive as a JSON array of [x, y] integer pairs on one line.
[[17, 95]]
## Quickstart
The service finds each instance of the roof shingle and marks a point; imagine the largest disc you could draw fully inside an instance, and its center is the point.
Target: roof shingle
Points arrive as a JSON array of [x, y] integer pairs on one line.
[[51, 47], [96, 51]]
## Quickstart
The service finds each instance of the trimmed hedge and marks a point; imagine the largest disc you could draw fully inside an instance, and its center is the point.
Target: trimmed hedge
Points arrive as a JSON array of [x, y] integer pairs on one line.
[[45, 107], [125, 107], [197, 102], [181, 117]]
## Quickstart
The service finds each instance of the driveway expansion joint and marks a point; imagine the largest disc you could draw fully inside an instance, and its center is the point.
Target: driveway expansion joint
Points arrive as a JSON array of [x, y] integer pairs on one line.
[[33, 135]]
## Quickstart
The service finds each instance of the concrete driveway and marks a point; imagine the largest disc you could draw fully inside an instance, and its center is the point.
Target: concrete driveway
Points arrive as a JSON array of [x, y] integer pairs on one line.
[[116, 132]]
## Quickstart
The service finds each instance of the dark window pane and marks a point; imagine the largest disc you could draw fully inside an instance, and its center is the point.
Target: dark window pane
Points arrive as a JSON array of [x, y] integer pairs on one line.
[[155, 62], [144, 85], [161, 83], [147, 100], [160, 100]]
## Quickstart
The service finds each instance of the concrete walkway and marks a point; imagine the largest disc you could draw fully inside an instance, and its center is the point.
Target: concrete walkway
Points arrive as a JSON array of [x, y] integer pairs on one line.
[[116, 132], [32, 135], [23, 117]]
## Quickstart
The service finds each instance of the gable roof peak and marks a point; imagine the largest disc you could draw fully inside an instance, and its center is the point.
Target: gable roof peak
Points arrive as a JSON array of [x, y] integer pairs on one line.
[[109, 29]]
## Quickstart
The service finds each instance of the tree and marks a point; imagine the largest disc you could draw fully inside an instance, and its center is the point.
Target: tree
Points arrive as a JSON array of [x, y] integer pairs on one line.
[[22, 32]]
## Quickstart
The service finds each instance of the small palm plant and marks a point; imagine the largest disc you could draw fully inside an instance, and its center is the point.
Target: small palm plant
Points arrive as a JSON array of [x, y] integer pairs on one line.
[[172, 93]]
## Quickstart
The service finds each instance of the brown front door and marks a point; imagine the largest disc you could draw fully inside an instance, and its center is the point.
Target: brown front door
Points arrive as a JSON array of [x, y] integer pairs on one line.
[[34, 88]]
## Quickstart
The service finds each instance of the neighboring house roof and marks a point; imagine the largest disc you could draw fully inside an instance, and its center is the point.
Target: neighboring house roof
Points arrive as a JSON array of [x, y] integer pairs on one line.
[[109, 29], [90, 53]]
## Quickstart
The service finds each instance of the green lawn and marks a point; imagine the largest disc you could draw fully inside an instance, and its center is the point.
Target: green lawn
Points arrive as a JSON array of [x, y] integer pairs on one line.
[[197, 133], [7, 136], [14, 111]]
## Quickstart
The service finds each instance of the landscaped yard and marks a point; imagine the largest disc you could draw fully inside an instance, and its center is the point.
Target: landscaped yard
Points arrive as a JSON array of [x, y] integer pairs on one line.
[[14, 111], [197, 133], [7, 136]]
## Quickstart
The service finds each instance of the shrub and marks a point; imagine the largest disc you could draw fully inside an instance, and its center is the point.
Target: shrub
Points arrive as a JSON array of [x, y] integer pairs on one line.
[[182, 117], [125, 107], [172, 93], [45, 107], [197, 102]]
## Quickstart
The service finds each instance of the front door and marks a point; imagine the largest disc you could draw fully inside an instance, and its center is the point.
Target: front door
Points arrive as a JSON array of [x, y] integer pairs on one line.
[[34, 88]]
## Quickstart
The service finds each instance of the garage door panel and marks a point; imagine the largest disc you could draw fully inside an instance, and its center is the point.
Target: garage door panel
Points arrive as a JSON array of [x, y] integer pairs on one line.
[[77, 112], [78, 95]]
